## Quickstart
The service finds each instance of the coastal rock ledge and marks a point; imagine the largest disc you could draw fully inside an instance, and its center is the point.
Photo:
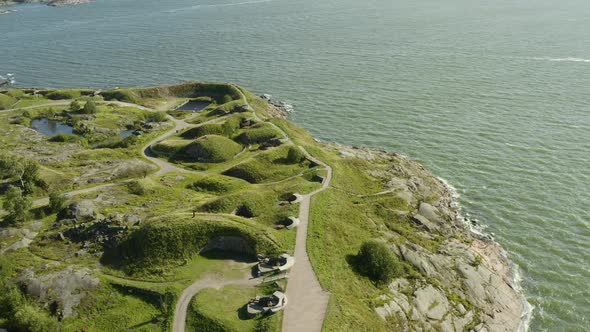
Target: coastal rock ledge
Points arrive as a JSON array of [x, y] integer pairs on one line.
[[467, 283]]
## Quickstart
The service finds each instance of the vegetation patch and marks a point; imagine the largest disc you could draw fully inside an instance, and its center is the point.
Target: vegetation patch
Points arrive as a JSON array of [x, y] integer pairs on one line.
[[225, 310], [258, 134], [210, 149], [174, 239], [218, 184], [273, 165], [6, 101]]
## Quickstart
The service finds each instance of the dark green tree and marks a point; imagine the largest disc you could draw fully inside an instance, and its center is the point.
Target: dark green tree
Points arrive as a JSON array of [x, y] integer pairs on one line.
[[57, 202], [378, 262], [75, 106], [17, 205], [23, 171], [89, 107]]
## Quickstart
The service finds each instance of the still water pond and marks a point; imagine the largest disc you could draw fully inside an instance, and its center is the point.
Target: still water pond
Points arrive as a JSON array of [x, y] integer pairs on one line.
[[51, 128]]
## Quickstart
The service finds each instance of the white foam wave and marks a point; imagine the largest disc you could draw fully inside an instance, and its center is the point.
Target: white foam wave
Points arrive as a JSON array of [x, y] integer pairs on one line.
[[568, 59], [218, 5], [479, 229]]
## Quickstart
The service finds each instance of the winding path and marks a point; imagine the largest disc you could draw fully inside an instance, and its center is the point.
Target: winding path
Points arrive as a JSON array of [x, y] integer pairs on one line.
[[308, 302], [210, 281]]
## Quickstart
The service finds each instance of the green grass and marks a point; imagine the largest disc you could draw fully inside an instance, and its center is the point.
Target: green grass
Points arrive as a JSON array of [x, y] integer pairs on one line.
[[209, 149], [272, 165], [259, 133], [115, 307], [224, 310], [172, 239], [169, 147], [6, 101], [218, 184]]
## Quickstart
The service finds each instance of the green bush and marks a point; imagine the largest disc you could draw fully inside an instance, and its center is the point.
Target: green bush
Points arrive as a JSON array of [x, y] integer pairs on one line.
[[210, 149], [228, 107], [376, 260], [6, 101], [63, 94], [218, 184], [57, 202], [136, 188], [117, 142], [65, 138], [17, 205], [89, 107], [75, 106], [157, 117]]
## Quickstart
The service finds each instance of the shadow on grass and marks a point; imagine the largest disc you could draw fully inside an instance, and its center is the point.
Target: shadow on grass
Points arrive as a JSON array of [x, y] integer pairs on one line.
[[228, 255]]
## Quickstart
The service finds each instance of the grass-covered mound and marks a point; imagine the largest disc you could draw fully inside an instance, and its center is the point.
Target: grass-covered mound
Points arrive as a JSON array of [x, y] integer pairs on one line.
[[221, 92], [252, 203], [169, 147], [175, 238], [259, 133], [218, 184], [6, 101], [226, 128], [224, 310], [210, 149], [274, 165]]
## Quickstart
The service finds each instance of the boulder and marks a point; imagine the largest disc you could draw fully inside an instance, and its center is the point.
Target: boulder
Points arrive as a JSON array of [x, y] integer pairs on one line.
[[84, 210], [431, 302]]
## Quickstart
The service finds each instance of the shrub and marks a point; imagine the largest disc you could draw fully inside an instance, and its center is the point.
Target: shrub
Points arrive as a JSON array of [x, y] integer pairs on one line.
[[211, 149], [17, 205], [157, 117], [136, 188], [57, 202], [67, 138], [89, 107], [75, 106], [376, 261]]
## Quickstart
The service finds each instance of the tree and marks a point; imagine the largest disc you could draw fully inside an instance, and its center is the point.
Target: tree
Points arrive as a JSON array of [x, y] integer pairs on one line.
[[90, 107], [75, 106], [17, 205], [57, 202], [376, 261], [22, 170]]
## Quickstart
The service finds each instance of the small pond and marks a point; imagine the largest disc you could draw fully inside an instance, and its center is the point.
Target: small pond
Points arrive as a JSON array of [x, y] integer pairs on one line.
[[126, 133], [194, 106], [51, 128]]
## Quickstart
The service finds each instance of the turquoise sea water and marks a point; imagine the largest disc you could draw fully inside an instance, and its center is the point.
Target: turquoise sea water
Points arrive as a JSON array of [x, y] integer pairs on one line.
[[493, 96]]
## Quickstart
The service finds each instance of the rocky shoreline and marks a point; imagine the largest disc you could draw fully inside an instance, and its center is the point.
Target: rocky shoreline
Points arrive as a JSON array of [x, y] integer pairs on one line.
[[468, 284]]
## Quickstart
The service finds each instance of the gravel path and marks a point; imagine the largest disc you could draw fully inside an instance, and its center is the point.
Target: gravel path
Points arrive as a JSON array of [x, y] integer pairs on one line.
[[210, 281], [308, 302]]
